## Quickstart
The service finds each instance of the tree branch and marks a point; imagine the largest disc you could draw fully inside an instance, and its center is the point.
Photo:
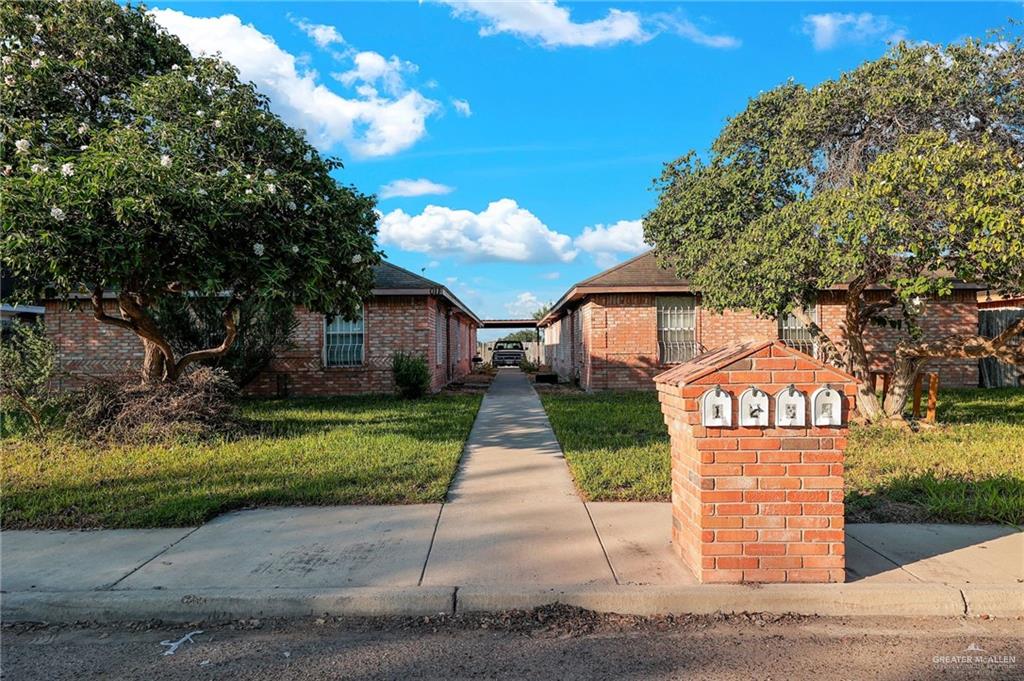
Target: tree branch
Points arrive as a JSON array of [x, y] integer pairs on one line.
[[828, 348], [101, 315], [967, 346], [230, 317]]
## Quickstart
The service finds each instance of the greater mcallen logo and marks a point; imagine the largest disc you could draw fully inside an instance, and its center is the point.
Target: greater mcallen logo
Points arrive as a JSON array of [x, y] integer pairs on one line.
[[975, 654]]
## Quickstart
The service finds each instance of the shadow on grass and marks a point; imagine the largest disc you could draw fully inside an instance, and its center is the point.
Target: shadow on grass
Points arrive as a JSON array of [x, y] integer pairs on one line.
[[950, 499]]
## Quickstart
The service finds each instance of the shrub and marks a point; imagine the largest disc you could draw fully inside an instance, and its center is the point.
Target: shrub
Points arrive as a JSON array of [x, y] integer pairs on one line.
[[412, 375], [26, 370], [199, 406], [529, 366]]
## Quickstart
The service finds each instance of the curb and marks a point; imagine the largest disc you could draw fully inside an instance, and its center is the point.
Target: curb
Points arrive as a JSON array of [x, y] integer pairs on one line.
[[195, 605], [995, 600], [826, 600], [829, 600]]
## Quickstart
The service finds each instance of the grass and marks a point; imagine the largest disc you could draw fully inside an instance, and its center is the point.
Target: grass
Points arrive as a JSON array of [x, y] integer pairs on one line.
[[349, 450], [969, 469], [615, 443]]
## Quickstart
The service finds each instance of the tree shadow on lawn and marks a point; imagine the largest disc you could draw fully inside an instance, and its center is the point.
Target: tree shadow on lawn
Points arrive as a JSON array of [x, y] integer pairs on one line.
[[948, 499]]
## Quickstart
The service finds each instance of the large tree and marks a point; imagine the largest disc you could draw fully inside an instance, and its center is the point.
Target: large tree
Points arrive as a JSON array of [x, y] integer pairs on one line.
[[135, 171], [893, 182]]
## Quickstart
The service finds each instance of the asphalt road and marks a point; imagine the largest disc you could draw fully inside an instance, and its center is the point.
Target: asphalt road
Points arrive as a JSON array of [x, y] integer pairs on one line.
[[553, 643]]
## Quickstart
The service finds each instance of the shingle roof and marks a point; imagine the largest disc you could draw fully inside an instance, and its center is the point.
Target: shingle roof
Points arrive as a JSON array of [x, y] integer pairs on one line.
[[643, 270], [391, 276]]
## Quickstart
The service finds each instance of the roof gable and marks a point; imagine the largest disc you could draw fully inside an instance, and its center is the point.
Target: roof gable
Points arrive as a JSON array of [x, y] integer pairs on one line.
[[388, 276], [643, 270]]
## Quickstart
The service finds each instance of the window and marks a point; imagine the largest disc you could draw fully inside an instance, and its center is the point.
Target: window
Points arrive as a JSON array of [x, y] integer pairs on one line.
[[796, 335], [343, 341], [441, 336], [677, 328]]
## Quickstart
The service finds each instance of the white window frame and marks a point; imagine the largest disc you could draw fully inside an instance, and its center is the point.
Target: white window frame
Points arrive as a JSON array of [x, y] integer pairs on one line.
[[800, 337], [328, 333], [676, 319]]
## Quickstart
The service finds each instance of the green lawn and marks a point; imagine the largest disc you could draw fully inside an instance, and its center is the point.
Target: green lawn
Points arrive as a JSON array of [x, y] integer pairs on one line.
[[615, 443], [351, 450], [969, 469]]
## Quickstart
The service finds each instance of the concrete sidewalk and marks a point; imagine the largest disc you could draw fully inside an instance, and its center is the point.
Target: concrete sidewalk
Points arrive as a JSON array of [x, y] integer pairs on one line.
[[513, 533]]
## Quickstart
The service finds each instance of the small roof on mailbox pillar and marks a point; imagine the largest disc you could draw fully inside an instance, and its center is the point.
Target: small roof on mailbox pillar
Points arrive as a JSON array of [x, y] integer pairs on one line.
[[722, 358]]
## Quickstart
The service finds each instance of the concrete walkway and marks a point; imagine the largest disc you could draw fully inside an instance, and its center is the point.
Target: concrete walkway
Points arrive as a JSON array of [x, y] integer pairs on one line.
[[513, 516], [513, 533]]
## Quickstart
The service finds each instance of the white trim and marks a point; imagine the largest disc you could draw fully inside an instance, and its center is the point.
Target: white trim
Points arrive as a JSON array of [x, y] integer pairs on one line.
[[323, 344]]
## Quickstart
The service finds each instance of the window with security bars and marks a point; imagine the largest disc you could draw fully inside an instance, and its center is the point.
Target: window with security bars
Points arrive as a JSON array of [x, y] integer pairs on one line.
[[677, 328], [343, 342], [797, 335]]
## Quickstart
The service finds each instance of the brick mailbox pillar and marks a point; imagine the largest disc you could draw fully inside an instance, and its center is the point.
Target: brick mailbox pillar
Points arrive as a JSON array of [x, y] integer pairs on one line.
[[757, 473]]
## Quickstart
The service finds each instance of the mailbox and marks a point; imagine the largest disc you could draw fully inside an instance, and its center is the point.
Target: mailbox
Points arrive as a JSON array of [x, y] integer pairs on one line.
[[790, 408], [716, 408], [753, 407], [827, 407]]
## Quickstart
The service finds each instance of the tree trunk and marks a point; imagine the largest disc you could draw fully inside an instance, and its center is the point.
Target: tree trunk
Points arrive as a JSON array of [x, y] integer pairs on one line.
[[904, 374], [868, 404], [154, 364]]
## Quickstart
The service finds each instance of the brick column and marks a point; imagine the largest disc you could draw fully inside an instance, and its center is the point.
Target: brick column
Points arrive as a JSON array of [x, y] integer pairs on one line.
[[756, 504]]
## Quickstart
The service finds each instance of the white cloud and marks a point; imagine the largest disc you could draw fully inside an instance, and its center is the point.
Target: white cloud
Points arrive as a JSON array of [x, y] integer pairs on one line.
[[547, 23], [685, 28], [407, 187], [523, 306], [551, 276], [368, 125], [502, 231], [324, 35], [462, 107], [373, 67], [835, 28], [607, 242], [550, 25]]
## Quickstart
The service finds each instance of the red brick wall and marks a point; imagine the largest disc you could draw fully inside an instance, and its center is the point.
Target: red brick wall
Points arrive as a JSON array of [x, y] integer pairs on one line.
[[758, 504], [619, 346], [391, 324], [956, 314], [86, 347]]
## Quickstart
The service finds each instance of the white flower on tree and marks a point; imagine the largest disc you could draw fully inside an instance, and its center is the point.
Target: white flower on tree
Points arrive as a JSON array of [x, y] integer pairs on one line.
[[165, 160], [295, 249], [356, 259], [291, 205], [271, 188], [22, 146], [67, 169], [38, 168], [57, 214], [257, 248], [35, 63]]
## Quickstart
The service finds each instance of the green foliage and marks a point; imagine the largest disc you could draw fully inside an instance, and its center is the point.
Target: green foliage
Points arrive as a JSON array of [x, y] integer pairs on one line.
[[524, 336], [130, 165], [372, 449], [264, 329], [412, 375], [26, 371], [544, 309], [904, 172], [529, 366]]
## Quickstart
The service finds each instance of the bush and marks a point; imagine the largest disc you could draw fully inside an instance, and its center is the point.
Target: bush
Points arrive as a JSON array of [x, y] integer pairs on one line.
[[198, 406], [412, 375], [529, 366], [26, 371]]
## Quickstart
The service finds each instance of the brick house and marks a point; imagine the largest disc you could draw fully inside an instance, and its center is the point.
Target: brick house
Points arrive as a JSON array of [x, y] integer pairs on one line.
[[620, 328], [329, 356]]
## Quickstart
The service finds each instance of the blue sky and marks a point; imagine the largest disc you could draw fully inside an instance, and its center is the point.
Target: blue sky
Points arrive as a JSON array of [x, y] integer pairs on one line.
[[513, 144]]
